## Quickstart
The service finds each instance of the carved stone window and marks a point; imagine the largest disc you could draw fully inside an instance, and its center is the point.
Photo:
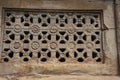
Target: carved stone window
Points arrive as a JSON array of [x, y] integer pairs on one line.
[[52, 35]]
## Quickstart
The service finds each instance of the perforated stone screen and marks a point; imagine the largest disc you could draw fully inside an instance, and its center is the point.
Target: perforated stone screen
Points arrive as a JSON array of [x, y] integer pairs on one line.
[[52, 35]]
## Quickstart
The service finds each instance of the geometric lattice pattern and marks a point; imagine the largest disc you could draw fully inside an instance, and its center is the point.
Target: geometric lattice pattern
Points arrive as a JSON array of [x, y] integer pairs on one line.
[[59, 36]]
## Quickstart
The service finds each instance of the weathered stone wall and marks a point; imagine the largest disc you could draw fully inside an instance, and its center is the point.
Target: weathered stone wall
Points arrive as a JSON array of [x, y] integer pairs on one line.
[[34, 70], [118, 27]]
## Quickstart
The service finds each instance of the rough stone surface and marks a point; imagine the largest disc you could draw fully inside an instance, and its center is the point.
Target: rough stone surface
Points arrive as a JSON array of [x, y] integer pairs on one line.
[[59, 68], [70, 77], [118, 28], [59, 77], [35, 71]]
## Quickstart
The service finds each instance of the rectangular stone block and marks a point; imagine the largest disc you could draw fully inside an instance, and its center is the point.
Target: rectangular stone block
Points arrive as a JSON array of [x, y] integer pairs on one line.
[[106, 34]]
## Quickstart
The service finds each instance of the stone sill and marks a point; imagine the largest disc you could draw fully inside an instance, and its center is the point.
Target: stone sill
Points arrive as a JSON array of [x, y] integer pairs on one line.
[[59, 77]]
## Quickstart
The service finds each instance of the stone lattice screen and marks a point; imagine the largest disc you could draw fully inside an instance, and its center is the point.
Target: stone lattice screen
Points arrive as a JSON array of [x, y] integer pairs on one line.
[[52, 35]]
